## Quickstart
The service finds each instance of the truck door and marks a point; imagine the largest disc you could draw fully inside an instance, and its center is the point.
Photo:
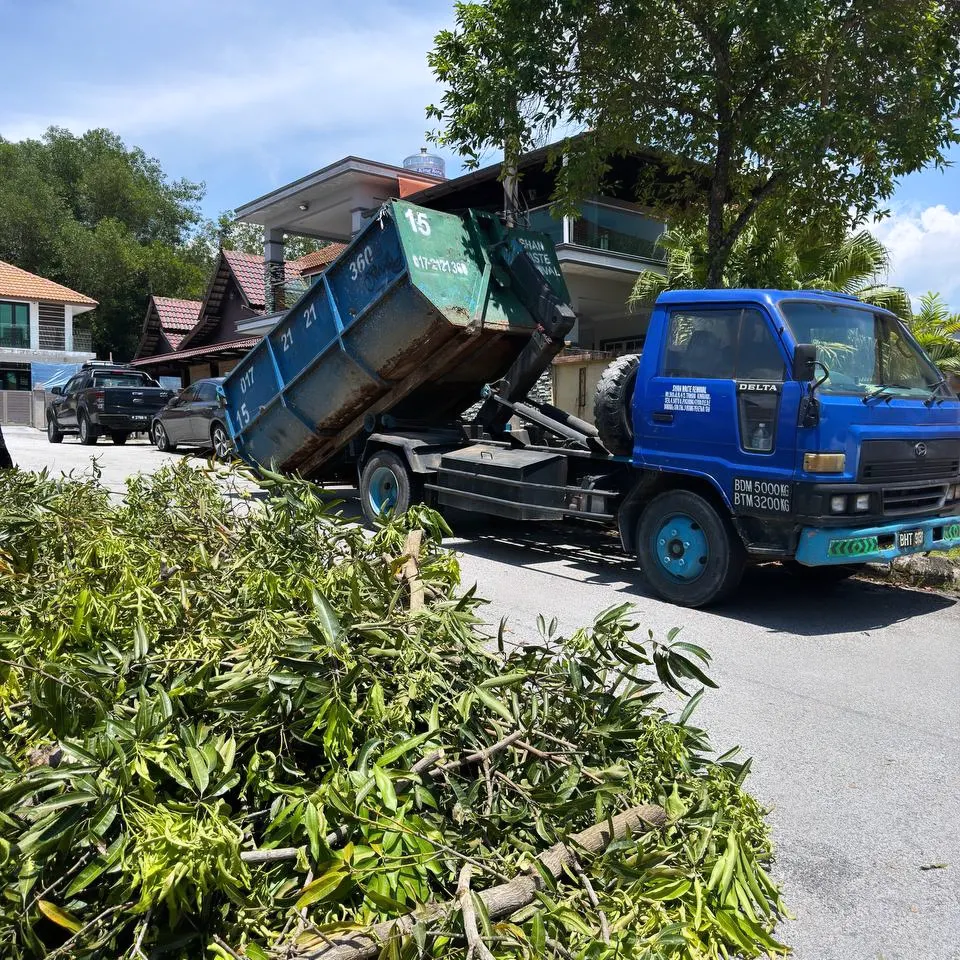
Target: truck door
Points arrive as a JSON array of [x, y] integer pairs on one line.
[[720, 406]]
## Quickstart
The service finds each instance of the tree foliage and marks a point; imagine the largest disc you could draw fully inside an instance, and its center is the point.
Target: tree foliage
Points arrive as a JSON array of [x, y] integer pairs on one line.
[[770, 255], [793, 106], [88, 212], [229, 729], [937, 330]]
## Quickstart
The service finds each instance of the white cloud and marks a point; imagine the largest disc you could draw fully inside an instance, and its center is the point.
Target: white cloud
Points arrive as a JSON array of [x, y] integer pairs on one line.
[[924, 247]]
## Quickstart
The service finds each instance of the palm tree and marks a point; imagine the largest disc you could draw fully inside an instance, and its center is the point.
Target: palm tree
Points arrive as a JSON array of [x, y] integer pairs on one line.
[[769, 256], [937, 330]]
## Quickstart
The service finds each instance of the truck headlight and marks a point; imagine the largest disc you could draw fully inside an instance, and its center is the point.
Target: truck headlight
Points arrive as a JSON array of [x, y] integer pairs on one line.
[[861, 503], [838, 504]]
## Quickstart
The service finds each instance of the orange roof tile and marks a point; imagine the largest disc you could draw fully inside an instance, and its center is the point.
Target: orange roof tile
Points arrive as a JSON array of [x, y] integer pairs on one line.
[[320, 259], [177, 314], [18, 283]]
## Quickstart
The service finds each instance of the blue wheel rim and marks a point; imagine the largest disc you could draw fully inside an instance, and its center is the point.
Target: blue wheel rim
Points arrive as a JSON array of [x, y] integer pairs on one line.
[[681, 548], [382, 494]]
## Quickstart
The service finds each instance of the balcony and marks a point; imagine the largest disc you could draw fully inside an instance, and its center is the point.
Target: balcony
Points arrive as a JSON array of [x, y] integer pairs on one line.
[[15, 337], [604, 227]]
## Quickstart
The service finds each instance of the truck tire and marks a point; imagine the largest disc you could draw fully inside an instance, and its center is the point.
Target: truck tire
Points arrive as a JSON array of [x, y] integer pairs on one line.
[[386, 484], [53, 431], [613, 404], [88, 436], [689, 553], [119, 437]]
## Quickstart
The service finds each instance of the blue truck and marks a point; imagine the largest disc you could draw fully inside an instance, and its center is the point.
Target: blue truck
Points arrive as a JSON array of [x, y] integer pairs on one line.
[[800, 426]]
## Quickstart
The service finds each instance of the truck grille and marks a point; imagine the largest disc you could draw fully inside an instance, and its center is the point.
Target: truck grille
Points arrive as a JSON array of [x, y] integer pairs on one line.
[[897, 460], [906, 500]]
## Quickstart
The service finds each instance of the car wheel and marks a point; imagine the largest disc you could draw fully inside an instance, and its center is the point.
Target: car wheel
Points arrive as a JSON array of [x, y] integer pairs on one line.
[[53, 431], [161, 439], [119, 438], [88, 436], [386, 487], [689, 553], [222, 446]]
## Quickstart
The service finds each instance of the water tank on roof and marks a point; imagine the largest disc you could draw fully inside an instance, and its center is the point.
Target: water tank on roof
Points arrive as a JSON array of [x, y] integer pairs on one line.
[[424, 162]]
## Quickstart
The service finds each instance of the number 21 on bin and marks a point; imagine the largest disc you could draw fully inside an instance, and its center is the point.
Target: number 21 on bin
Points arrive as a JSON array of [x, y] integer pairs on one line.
[[418, 222]]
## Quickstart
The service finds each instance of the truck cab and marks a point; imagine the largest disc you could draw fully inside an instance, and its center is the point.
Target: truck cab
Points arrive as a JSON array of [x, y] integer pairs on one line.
[[811, 424]]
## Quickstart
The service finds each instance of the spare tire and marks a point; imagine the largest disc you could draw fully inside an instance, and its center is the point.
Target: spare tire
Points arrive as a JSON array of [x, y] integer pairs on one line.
[[613, 404]]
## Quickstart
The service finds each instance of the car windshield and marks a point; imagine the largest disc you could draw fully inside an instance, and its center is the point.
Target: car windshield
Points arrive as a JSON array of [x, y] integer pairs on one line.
[[122, 380], [864, 350]]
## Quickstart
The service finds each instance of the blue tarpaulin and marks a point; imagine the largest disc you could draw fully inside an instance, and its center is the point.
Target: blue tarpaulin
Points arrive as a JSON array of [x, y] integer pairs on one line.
[[49, 375]]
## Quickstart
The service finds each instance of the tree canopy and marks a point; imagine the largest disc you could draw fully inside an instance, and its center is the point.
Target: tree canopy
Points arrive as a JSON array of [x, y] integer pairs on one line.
[[798, 106], [104, 219]]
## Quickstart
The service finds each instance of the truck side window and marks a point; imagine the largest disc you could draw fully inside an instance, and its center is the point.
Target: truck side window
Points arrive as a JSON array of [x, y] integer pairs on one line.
[[702, 344], [722, 345]]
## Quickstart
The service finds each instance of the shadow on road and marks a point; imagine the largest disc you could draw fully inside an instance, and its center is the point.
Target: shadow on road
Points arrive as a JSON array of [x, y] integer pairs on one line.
[[768, 597]]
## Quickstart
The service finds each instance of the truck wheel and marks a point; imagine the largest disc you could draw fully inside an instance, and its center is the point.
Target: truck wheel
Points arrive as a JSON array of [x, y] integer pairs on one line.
[[161, 439], [386, 484], [53, 431], [825, 576], [88, 436], [613, 404], [119, 437], [689, 553]]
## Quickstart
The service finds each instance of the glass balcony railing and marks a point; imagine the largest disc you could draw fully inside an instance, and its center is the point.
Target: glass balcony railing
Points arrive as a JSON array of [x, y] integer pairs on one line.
[[15, 337], [604, 227]]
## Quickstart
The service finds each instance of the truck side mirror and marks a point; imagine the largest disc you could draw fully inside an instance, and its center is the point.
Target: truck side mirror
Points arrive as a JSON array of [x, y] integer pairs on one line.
[[805, 362], [56, 391]]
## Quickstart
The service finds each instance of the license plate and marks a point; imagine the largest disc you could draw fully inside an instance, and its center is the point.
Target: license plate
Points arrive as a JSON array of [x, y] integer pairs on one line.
[[909, 539], [139, 418]]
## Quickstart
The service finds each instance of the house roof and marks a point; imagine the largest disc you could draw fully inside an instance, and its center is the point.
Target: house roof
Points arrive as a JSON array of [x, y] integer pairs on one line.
[[246, 270], [18, 283], [240, 345], [319, 260], [167, 318], [177, 314]]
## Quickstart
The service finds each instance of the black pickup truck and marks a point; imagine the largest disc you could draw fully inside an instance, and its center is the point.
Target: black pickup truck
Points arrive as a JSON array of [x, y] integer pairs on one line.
[[104, 399]]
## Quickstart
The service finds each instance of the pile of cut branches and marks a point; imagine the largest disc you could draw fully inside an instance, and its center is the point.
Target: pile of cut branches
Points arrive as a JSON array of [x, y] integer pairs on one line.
[[266, 732]]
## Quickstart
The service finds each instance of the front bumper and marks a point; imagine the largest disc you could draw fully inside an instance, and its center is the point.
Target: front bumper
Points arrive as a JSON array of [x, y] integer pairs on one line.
[[839, 545]]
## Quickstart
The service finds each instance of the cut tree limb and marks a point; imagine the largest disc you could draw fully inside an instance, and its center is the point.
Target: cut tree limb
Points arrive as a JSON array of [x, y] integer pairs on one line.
[[499, 901], [475, 944]]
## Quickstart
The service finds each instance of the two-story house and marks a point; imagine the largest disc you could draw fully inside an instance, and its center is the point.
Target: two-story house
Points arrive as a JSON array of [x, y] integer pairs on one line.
[[38, 336]]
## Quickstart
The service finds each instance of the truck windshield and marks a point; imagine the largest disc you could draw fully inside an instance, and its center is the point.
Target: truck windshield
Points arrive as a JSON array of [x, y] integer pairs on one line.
[[864, 351]]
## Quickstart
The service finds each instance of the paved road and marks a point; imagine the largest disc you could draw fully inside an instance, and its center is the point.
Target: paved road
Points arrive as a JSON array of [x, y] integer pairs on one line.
[[848, 704]]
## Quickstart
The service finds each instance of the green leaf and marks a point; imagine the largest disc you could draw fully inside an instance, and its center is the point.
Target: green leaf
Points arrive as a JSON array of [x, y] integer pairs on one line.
[[385, 788], [59, 916], [323, 887], [329, 621], [395, 753], [494, 704], [198, 768], [505, 680]]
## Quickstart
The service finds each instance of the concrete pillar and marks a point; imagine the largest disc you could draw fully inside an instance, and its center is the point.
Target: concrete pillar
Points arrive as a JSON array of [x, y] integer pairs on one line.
[[357, 222], [34, 326], [68, 327], [273, 275]]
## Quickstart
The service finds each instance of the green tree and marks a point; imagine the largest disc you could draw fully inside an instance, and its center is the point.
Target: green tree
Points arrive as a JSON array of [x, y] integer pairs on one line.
[[937, 330], [768, 255], [798, 106], [232, 234], [104, 219]]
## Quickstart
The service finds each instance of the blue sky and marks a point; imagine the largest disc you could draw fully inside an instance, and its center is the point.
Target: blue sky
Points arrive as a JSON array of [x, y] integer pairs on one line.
[[248, 95]]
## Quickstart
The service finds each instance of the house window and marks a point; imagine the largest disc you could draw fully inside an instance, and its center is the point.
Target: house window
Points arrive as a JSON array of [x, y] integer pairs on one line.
[[14, 325], [15, 376], [621, 346]]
